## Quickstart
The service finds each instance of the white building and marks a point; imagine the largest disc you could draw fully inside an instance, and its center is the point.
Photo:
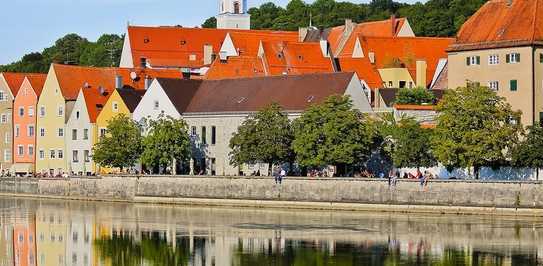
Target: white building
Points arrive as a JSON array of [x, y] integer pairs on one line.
[[233, 15], [213, 109]]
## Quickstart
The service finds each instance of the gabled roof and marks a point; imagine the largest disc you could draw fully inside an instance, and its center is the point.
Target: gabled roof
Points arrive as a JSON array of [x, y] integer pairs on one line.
[[180, 91], [341, 43], [131, 97], [236, 66], [72, 78], [498, 24], [15, 80], [295, 58], [247, 42], [407, 50], [293, 93], [37, 81], [95, 101], [364, 70]]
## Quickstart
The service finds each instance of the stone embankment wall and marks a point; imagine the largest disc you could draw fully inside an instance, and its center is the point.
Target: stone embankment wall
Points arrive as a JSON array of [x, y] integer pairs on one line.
[[324, 190]]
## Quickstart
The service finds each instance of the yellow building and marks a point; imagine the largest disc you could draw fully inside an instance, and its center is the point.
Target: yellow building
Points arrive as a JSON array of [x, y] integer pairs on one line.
[[121, 101]]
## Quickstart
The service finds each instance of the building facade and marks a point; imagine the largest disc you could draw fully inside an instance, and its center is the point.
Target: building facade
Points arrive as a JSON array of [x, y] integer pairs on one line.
[[501, 47], [233, 15], [24, 121]]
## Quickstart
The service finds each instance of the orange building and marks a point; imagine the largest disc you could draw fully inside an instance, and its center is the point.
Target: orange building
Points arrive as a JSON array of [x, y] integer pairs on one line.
[[24, 244], [24, 123]]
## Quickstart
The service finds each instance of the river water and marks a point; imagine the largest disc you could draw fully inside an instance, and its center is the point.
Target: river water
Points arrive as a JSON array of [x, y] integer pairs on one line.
[[50, 232]]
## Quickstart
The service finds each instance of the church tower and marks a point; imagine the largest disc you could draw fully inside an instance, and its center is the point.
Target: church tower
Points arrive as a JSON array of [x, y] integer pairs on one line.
[[233, 15]]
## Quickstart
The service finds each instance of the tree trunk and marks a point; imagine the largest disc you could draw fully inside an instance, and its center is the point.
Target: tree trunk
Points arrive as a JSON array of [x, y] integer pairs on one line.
[[270, 169], [476, 171], [174, 166], [537, 174]]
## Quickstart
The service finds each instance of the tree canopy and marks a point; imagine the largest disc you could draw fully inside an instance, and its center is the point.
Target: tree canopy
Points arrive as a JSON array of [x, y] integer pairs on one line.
[[432, 18], [72, 49], [416, 95], [121, 146], [264, 137], [529, 153], [332, 133], [166, 143], [476, 128]]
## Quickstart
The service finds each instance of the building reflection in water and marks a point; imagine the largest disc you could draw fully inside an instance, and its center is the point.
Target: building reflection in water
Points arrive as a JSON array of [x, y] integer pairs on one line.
[[54, 233]]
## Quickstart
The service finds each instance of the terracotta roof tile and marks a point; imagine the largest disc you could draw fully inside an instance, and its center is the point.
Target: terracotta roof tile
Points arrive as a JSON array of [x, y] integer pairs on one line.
[[295, 58], [240, 66], [37, 81], [364, 69], [95, 101], [247, 42], [15, 80], [498, 24]]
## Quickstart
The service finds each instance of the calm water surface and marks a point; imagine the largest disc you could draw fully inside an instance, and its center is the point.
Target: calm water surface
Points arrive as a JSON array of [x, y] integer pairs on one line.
[[47, 232]]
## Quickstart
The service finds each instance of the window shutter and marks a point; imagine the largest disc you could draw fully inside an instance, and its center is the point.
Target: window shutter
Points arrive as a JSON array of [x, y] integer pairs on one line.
[[513, 84], [467, 61], [478, 58], [508, 58], [518, 58]]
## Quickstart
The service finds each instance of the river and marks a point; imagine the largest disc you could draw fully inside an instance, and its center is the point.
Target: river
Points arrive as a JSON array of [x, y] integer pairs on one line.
[[51, 232]]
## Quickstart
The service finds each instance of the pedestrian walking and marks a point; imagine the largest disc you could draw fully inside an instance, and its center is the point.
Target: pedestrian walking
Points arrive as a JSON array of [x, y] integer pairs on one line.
[[282, 175], [276, 175]]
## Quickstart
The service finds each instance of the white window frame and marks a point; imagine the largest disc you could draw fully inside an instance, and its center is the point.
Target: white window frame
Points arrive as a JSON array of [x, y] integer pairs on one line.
[[7, 155], [42, 132], [21, 111], [20, 150], [7, 137], [29, 149], [42, 111], [52, 154], [41, 154], [60, 154], [115, 106], [3, 95], [60, 132], [514, 58], [60, 111], [75, 156], [31, 111], [4, 119], [17, 130], [85, 134], [493, 59], [30, 133], [156, 105]]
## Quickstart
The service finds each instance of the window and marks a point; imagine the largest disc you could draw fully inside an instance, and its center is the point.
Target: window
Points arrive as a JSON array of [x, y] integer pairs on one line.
[[30, 150], [42, 154], [30, 111], [473, 60], [74, 134], [7, 155], [204, 140], [61, 132], [193, 131], [86, 155], [7, 138], [21, 111], [42, 111], [513, 85], [74, 156], [60, 154], [512, 58], [30, 130], [60, 110], [52, 154], [493, 59], [42, 132], [20, 150], [236, 7], [77, 115], [4, 119], [390, 84], [2, 96], [86, 134], [102, 132], [494, 85], [213, 135], [541, 58], [17, 130], [156, 105], [115, 107]]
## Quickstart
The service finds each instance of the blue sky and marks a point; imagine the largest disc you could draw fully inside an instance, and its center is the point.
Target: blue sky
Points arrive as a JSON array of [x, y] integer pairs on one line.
[[31, 25]]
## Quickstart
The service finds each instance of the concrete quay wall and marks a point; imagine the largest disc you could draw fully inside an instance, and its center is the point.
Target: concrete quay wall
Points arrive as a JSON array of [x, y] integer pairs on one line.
[[296, 192]]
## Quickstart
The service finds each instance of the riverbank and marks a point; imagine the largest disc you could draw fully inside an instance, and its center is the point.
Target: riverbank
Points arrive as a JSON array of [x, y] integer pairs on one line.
[[346, 194]]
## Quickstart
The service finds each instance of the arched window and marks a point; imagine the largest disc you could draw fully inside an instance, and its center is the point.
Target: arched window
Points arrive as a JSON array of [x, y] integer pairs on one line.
[[236, 8]]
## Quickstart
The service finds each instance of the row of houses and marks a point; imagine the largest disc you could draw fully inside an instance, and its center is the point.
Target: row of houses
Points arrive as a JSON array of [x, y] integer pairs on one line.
[[215, 78]]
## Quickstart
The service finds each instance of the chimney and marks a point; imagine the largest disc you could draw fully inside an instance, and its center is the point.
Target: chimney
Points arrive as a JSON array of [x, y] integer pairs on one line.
[[302, 33], [101, 90], [349, 26], [509, 3], [371, 56], [147, 82], [118, 81], [325, 48], [393, 24], [208, 54], [421, 73]]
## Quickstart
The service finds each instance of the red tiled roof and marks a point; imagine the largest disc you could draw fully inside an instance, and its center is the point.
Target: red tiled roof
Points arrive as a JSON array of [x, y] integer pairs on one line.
[[408, 50], [95, 102], [364, 69], [15, 80], [238, 66], [37, 81], [295, 58], [498, 24], [247, 42], [383, 28]]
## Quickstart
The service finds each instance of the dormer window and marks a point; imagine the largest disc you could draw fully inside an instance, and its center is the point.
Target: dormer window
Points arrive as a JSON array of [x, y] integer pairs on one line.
[[143, 62]]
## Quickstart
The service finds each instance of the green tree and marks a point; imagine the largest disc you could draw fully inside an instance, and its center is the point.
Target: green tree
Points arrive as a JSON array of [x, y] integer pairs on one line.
[[264, 137], [416, 95], [332, 133], [166, 143], [476, 128], [210, 23], [529, 153], [407, 143], [121, 146]]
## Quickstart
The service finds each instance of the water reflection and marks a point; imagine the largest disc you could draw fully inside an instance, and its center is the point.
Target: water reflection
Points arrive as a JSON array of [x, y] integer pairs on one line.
[[59, 233]]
